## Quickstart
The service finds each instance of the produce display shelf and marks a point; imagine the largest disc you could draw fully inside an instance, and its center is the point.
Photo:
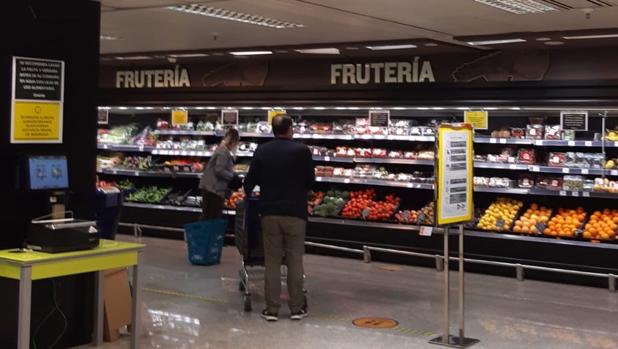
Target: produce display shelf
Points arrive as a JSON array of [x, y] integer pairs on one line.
[[186, 133], [176, 152], [394, 161], [522, 191], [568, 170], [492, 140], [377, 182], [255, 135], [563, 143], [494, 165], [404, 227], [125, 147], [159, 174], [586, 194], [341, 159]]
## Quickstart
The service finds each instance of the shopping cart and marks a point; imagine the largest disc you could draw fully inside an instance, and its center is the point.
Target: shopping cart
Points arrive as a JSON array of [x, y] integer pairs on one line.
[[248, 238]]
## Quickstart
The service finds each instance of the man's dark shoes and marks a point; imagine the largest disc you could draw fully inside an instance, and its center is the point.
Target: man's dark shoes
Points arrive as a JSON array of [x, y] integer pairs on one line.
[[270, 317]]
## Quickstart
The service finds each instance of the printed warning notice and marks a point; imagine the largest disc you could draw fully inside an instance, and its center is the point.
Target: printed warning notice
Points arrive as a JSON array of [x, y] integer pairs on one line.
[[36, 121], [37, 100]]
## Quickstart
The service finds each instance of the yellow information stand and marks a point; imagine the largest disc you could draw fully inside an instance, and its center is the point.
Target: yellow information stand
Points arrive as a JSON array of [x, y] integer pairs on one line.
[[29, 266]]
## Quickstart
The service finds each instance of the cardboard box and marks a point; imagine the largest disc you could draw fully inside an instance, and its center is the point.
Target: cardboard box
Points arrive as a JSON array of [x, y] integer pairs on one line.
[[117, 298]]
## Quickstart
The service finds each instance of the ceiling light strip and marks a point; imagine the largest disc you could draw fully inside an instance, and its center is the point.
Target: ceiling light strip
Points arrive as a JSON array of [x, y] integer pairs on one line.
[[519, 7], [199, 9], [390, 47], [495, 42], [600, 36]]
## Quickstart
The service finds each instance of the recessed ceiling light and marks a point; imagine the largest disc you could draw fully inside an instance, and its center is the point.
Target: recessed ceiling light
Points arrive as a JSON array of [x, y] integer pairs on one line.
[[199, 9], [108, 37], [543, 39], [132, 58], [298, 108], [247, 108], [554, 43], [601, 36], [251, 53], [391, 47], [520, 7], [431, 44], [211, 108], [495, 42], [319, 108], [320, 51], [189, 55]]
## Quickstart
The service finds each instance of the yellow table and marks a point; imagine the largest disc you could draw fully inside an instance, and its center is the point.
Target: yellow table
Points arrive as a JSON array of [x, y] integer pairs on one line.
[[29, 266]]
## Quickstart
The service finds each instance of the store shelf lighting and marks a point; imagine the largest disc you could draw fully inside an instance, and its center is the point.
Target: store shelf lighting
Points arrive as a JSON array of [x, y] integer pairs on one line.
[[251, 53], [519, 7], [495, 42], [199, 9], [585, 37], [320, 51], [390, 47], [132, 58]]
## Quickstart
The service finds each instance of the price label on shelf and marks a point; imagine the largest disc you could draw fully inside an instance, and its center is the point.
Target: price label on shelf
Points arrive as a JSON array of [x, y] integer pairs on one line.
[[614, 172], [493, 140], [114, 172], [502, 140], [409, 185], [346, 181], [536, 169], [584, 171], [538, 142], [586, 194], [327, 158], [588, 143], [566, 170], [366, 136], [184, 153], [141, 147], [575, 193], [425, 231], [513, 167], [571, 143], [563, 193], [136, 173], [105, 146], [318, 179], [192, 153]]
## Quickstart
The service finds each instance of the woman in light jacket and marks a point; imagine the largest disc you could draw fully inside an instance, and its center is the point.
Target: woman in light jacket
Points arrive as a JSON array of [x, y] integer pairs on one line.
[[217, 175]]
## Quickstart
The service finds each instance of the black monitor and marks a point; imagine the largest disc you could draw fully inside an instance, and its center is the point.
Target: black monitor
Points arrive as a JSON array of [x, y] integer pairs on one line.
[[47, 173]]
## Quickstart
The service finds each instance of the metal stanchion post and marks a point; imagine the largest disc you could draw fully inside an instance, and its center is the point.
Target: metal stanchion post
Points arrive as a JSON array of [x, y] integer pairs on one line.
[[447, 288]]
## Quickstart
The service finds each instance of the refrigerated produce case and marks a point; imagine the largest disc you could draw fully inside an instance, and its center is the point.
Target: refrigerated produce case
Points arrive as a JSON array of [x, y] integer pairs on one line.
[[374, 185]]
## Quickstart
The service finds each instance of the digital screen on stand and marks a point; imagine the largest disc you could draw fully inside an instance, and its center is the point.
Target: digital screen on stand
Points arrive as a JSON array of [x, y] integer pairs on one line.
[[48, 172]]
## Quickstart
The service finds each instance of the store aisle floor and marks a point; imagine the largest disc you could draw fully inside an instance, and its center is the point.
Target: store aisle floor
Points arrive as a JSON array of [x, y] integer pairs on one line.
[[200, 307]]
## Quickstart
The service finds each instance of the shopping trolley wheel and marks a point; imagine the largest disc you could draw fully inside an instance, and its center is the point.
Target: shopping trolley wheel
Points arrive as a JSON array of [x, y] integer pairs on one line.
[[241, 286], [246, 299]]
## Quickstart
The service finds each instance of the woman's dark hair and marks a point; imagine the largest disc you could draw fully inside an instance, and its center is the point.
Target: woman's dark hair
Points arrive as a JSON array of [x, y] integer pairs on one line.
[[231, 136], [281, 124]]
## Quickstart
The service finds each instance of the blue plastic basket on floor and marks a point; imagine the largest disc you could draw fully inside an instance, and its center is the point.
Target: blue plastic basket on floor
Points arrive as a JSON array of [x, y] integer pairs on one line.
[[205, 241]]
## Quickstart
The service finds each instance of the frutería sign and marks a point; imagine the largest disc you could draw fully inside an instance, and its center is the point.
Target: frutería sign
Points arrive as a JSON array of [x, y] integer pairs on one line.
[[415, 71], [155, 78]]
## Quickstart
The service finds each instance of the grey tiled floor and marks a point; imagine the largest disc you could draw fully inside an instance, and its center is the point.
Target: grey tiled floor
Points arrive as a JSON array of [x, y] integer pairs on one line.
[[193, 307]]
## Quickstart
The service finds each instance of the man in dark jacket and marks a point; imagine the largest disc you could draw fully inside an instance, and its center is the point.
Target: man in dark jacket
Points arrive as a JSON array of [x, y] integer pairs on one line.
[[284, 171]]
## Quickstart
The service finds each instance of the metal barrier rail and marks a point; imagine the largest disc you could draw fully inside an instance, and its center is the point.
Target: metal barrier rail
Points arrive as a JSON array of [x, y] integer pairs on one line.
[[439, 259]]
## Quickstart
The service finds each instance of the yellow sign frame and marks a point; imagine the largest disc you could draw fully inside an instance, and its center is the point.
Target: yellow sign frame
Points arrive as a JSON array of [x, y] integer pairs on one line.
[[443, 129]]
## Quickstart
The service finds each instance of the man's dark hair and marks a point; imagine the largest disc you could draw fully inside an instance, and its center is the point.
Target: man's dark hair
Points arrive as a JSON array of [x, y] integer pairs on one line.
[[281, 124]]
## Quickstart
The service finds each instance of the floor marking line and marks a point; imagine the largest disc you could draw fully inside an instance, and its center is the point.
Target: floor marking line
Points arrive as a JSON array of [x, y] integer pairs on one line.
[[183, 295]]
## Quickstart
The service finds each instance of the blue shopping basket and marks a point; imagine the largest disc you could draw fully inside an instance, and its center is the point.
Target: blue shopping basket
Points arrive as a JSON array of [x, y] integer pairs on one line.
[[205, 241]]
